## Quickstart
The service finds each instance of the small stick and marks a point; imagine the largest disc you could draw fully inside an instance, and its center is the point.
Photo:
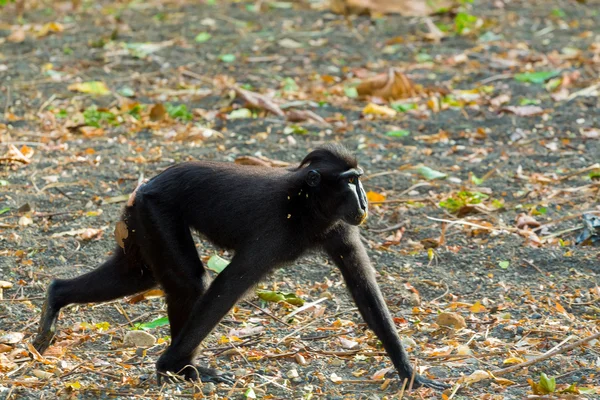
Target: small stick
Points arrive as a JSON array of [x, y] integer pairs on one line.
[[579, 171], [545, 356]]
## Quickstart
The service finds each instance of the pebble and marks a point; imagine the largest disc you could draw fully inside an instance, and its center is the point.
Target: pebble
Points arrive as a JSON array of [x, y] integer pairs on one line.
[[208, 388], [138, 339]]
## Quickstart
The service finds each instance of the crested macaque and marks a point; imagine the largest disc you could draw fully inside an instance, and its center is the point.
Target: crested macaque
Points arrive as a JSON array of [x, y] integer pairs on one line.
[[268, 216]]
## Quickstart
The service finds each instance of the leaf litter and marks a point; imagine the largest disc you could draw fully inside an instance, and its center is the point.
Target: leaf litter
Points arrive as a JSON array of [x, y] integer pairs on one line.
[[474, 129]]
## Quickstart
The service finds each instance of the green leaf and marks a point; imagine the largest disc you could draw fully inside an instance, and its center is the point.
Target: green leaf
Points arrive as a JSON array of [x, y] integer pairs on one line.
[[476, 180], [584, 390], [227, 58], [536, 77], [464, 22], [351, 92], [504, 264], [295, 129], [3, 182], [179, 112], [217, 263], [528, 102], [594, 175], [93, 87], [4, 210], [240, 113], [398, 133], [290, 85], [249, 393], [404, 107], [276, 297], [557, 12], [202, 37], [126, 91], [431, 174], [423, 57], [153, 324], [547, 384]]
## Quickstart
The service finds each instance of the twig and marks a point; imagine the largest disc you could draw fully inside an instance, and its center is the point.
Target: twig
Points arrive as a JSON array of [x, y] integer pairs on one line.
[[579, 172], [545, 356], [389, 228], [404, 200], [268, 313], [495, 78]]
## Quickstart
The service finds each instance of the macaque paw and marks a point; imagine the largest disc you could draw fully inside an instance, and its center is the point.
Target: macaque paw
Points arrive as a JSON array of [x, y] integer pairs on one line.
[[421, 381], [195, 373]]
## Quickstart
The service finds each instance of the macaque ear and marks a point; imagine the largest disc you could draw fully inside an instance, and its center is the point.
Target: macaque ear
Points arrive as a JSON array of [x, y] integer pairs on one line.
[[313, 178]]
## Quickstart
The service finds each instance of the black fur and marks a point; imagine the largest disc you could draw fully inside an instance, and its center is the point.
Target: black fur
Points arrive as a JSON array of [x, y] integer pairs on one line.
[[268, 216]]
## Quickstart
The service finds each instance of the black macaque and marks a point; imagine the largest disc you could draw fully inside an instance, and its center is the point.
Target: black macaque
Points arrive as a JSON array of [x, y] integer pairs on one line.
[[268, 216]]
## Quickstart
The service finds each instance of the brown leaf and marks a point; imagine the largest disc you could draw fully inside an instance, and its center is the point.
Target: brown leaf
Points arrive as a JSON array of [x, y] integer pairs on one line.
[[121, 233], [16, 36], [391, 85], [408, 8], [260, 161], [451, 320], [524, 220], [305, 115], [91, 131], [257, 100], [434, 34], [158, 112], [524, 111]]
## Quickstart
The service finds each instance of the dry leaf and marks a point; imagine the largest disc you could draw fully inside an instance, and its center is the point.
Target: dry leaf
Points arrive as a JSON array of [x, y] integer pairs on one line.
[[524, 220], [477, 308], [524, 111], [158, 112], [11, 337], [408, 8], [374, 109], [16, 36], [50, 27], [374, 196], [90, 233], [91, 131], [257, 100], [121, 233], [476, 376], [305, 115], [451, 320], [434, 34], [14, 155], [260, 161], [390, 86]]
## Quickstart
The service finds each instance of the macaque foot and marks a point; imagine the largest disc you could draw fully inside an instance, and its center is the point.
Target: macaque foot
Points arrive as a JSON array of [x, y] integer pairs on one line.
[[421, 381], [194, 373], [47, 327]]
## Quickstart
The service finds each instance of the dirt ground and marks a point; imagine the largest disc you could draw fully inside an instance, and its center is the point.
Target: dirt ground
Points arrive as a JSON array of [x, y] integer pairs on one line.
[[507, 262]]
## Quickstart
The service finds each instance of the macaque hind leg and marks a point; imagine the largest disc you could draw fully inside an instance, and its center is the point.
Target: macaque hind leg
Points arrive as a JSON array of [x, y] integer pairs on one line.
[[245, 270], [113, 279]]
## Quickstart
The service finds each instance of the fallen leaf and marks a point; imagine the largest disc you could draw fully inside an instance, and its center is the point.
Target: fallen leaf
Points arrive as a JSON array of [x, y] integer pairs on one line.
[[374, 109], [305, 115], [260, 101], [11, 338], [138, 339], [451, 320], [16, 36], [407, 8], [158, 112], [476, 376], [431, 174], [290, 44], [50, 27], [526, 221], [523, 111], [392, 85], [374, 196], [93, 87], [121, 233]]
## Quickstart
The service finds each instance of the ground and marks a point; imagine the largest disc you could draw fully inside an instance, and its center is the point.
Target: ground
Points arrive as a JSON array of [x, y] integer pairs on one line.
[[516, 151]]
